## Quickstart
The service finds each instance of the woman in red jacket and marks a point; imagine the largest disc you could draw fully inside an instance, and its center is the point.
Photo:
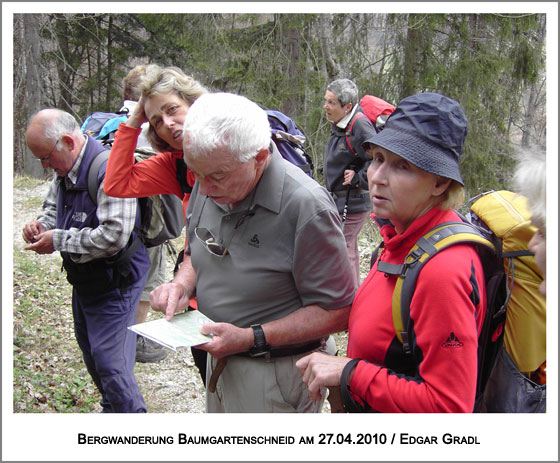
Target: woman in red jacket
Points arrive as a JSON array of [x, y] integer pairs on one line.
[[167, 95], [414, 184]]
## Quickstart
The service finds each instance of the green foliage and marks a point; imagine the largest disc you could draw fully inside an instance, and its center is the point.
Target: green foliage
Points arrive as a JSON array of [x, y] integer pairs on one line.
[[485, 61], [89, 58]]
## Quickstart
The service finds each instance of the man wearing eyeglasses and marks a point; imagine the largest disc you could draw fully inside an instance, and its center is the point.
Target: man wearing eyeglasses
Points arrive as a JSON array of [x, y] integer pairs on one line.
[[105, 261], [266, 254]]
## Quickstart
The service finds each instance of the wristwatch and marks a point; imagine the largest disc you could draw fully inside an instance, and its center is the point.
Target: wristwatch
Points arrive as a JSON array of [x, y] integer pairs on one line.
[[261, 347]]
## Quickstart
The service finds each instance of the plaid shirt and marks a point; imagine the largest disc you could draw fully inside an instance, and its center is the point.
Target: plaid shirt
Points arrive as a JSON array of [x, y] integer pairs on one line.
[[116, 218]]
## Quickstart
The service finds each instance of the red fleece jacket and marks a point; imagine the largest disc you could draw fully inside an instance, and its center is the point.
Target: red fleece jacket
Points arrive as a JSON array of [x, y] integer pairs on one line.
[[126, 178], [442, 307]]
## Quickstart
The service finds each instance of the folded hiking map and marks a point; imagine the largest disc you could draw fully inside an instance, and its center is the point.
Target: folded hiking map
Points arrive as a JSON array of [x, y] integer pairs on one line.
[[182, 331]]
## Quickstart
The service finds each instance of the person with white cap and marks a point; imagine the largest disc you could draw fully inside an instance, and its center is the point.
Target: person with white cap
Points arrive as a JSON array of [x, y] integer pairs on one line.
[[414, 184]]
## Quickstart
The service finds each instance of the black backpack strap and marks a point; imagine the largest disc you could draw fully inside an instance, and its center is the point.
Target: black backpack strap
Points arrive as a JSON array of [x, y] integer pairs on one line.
[[93, 174], [375, 254], [525, 253], [435, 240], [122, 259], [181, 173], [350, 405]]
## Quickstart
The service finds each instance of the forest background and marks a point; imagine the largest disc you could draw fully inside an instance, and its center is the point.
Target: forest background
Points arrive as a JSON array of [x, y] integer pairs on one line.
[[493, 64]]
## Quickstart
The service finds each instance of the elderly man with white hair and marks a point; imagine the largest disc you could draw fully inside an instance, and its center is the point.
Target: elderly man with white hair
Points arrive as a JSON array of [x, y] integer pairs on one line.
[[266, 255]]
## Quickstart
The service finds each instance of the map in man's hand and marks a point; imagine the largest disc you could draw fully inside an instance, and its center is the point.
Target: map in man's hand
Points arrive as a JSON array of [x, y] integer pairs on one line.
[[182, 331]]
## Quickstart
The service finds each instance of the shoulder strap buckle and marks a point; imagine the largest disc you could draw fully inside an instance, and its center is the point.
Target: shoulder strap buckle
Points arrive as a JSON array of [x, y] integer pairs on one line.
[[406, 344], [392, 269]]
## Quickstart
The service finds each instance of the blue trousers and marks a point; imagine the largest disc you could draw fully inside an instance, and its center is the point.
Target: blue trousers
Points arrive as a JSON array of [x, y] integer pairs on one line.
[[108, 347]]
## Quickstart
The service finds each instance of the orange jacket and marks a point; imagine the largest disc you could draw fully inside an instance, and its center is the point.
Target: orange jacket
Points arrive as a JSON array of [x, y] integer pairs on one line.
[[126, 178]]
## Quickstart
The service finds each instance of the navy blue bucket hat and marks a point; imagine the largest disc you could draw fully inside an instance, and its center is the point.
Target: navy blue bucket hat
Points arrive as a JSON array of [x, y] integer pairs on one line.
[[429, 131]]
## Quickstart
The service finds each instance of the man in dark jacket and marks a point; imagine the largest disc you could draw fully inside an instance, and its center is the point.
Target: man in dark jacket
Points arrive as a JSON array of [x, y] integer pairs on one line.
[[105, 261], [346, 163]]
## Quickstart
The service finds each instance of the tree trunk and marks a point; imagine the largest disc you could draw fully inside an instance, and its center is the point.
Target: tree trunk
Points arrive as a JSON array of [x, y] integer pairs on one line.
[[33, 96], [411, 57], [109, 63], [326, 39], [63, 66], [535, 124], [292, 47], [530, 112]]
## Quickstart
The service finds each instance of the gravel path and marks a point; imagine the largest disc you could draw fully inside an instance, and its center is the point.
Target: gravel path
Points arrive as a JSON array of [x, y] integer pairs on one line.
[[170, 386]]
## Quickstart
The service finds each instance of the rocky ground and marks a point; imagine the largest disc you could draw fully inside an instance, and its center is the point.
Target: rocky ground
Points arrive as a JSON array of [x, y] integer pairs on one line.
[[170, 386]]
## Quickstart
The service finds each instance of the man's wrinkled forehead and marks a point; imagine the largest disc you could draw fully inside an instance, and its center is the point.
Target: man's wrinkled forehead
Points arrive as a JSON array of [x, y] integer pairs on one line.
[[219, 160]]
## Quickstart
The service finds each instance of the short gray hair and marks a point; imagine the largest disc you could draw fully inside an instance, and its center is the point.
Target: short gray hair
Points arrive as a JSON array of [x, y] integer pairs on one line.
[[225, 121], [62, 124], [530, 181], [345, 90]]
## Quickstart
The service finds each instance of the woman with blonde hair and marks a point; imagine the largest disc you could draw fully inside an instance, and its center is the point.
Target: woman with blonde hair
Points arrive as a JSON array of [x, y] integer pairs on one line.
[[167, 95]]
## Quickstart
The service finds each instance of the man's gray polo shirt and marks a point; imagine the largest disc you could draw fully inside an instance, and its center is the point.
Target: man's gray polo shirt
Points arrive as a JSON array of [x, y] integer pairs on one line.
[[286, 250]]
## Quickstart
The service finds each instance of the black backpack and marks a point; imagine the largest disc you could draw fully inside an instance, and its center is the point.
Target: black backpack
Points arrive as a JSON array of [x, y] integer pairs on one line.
[[161, 215], [440, 237], [435, 240]]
